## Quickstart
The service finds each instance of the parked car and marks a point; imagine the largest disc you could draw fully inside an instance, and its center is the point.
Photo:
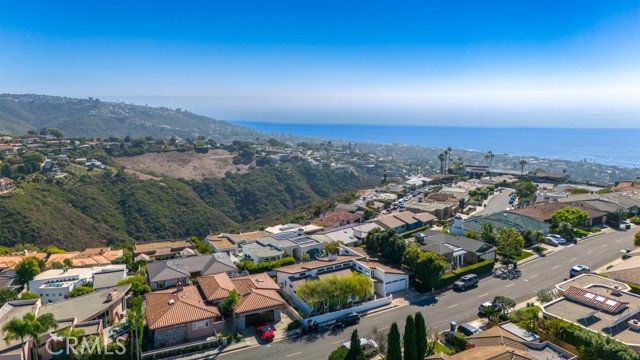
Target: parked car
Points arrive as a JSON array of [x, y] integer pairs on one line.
[[348, 320], [579, 269], [558, 238], [369, 347], [466, 282], [468, 329], [552, 241], [489, 307], [265, 332]]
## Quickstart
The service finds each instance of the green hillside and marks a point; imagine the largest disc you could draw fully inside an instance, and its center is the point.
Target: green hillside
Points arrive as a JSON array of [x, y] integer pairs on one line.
[[97, 208], [95, 118]]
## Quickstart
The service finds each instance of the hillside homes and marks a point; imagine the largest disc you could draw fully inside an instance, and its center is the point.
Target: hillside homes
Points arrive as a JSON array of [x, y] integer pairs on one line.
[[501, 220], [86, 258], [166, 274], [405, 221], [276, 246], [165, 249], [6, 186], [56, 284]]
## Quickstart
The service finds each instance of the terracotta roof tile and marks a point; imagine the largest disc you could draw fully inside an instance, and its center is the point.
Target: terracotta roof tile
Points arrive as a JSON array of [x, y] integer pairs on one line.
[[188, 306]]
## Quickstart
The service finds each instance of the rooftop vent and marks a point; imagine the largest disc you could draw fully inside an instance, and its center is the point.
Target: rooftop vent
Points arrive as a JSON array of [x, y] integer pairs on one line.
[[171, 301]]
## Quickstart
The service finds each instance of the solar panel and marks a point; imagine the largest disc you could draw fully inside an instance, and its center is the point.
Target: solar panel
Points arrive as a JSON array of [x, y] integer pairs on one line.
[[285, 235], [590, 295]]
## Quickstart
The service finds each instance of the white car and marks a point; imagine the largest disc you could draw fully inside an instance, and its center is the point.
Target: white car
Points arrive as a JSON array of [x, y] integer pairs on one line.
[[552, 241], [369, 347], [558, 238]]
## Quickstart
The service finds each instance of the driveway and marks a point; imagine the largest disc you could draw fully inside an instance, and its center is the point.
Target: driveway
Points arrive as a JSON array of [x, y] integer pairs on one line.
[[496, 203]]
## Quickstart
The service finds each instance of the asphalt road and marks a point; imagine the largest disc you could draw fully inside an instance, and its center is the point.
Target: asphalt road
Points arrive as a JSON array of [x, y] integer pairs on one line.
[[497, 203], [453, 306]]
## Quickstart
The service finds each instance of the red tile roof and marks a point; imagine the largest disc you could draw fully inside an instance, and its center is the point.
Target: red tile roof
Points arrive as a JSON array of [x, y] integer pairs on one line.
[[171, 307], [593, 299]]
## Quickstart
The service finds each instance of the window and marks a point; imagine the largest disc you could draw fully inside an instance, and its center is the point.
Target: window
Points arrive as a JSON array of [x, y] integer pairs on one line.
[[202, 324], [160, 285], [59, 294]]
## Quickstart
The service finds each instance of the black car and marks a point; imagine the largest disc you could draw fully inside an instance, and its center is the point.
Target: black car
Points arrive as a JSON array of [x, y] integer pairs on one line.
[[347, 320], [468, 329]]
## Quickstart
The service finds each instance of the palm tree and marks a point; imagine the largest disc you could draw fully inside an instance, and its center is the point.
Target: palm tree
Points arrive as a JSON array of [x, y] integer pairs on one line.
[[442, 157], [447, 152], [523, 162], [489, 158], [29, 325], [70, 333]]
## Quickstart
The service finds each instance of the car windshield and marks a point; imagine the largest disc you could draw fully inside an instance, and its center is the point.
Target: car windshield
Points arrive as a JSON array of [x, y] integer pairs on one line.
[[265, 329]]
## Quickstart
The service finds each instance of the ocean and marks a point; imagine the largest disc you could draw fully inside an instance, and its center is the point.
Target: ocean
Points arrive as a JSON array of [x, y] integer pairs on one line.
[[619, 147]]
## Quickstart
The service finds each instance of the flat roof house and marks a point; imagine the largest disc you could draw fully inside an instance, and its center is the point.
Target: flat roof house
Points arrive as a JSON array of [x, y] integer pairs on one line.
[[55, 284], [600, 305], [231, 243], [290, 243], [166, 274]]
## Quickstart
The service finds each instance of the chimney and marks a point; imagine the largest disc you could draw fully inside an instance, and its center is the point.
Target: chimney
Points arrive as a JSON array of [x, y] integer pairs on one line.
[[179, 286], [111, 296]]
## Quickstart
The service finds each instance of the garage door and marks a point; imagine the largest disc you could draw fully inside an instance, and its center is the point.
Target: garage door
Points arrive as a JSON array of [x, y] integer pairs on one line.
[[397, 285], [256, 319]]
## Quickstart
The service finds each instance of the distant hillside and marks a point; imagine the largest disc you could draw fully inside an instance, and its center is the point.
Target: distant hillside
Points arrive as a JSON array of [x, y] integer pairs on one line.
[[95, 118], [99, 208]]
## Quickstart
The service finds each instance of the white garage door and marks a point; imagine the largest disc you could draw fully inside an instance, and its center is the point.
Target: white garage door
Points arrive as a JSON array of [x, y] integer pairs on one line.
[[397, 285]]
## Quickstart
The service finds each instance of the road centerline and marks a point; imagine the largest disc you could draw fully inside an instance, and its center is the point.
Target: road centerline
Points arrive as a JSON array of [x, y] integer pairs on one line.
[[294, 354]]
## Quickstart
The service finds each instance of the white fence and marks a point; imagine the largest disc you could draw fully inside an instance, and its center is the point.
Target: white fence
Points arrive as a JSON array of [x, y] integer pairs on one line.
[[357, 309]]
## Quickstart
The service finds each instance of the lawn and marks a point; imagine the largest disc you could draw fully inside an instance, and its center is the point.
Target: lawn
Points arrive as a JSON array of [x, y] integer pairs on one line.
[[523, 255]]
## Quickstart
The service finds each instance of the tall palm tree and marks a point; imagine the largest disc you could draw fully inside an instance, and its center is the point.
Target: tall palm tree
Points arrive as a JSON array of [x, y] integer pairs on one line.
[[29, 325], [523, 162], [447, 152], [489, 158], [442, 157], [70, 333]]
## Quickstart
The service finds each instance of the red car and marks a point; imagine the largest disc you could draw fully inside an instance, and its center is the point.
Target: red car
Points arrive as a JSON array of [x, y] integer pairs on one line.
[[265, 332]]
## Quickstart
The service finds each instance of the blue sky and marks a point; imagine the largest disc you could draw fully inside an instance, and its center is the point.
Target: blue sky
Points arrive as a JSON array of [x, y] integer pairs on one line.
[[454, 63]]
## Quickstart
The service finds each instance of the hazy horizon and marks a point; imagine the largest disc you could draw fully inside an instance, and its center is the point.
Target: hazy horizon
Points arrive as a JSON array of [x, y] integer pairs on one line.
[[573, 64]]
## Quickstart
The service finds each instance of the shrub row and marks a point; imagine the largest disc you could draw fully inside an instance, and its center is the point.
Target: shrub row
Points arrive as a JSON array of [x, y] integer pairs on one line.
[[479, 268], [634, 288], [268, 265]]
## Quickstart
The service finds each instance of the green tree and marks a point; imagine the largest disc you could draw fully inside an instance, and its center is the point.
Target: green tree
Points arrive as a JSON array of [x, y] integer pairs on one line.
[[509, 242], [566, 231], [68, 263], [522, 163], [339, 354], [202, 247], [54, 250], [394, 351], [31, 327], [227, 305], [526, 190], [355, 350], [442, 158], [574, 217], [530, 318], [429, 268], [333, 247], [29, 296], [471, 234], [636, 239], [135, 321], [81, 290], [421, 336], [306, 257], [7, 294], [488, 233], [27, 269], [505, 303], [409, 339]]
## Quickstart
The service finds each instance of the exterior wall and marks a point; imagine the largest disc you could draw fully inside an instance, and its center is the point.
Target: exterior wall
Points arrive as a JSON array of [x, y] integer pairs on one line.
[[169, 283], [489, 256], [200, 333], [170, 336], [360, 308]]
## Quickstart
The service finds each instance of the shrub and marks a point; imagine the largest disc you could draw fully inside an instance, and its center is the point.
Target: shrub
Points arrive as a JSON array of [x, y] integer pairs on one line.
[[267, 265], [295, 324], [478, 269], [580, 233], [458, 340], [595, 229], [634, 288]]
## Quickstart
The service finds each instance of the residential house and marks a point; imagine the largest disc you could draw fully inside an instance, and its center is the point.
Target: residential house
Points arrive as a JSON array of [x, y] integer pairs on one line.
[[92, 312], [7, 150], [334, 219], [441, 210], [545, 211], [476, 171], [86, 258], [617, 205], [507, 341], [166, 274], [349, 208], [386, 278], [6, 185], [108, 278], [165, 249], [457, 250], [56, 284], [627, 186], [231, 243], [259, 300], [405, 221], [349, 235], [542, 176], [290, 243], [8, 263], [176, 315], [501, 220], [598, 304], [627, 272]]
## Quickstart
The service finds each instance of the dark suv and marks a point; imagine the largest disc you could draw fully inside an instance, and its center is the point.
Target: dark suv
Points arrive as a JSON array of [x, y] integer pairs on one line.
[[466, 282], [347, 320]]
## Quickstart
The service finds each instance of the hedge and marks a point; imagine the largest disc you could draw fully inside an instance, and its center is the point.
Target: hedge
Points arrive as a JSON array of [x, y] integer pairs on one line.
[[267, 265], [634, 288], [479, 268]]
